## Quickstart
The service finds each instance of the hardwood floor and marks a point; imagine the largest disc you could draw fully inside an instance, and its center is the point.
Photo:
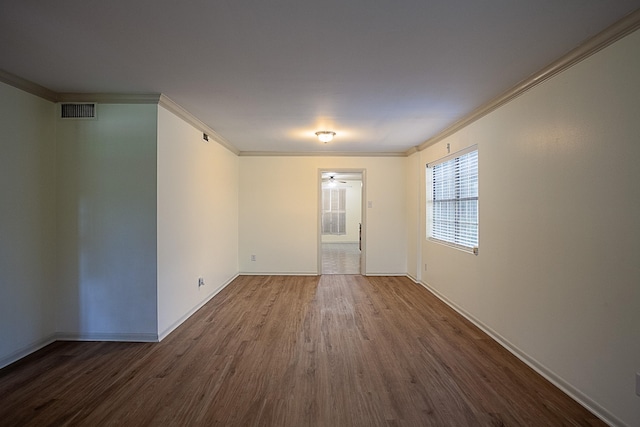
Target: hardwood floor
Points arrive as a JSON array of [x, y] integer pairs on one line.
[[338, 350]]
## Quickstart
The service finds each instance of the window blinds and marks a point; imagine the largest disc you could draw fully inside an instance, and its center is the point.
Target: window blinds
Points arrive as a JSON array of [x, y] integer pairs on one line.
[[334, 215], [454, 201]]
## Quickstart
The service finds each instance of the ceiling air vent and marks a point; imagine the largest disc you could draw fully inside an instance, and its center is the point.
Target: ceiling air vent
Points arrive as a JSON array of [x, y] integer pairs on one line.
[[78, 110]]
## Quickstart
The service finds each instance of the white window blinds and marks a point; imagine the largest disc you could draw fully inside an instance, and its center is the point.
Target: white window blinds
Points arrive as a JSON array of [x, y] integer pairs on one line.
[[454, 201], [334, 214]]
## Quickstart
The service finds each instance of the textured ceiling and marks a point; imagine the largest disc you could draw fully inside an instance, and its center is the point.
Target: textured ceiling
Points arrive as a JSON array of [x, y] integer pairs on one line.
[[384, 75]]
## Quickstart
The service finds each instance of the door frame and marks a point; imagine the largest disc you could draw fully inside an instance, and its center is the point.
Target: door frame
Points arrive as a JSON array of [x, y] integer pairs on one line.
[[363, 216]]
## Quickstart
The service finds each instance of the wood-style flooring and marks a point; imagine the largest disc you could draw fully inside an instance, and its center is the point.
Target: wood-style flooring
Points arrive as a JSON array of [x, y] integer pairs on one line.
[[338, 350]]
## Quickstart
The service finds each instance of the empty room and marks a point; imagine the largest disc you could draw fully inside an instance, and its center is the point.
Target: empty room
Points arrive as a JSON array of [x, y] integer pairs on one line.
[[320, 213]]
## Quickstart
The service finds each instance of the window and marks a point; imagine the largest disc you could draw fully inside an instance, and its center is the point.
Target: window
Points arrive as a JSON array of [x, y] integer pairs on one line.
[[452, 210], [334, 214]]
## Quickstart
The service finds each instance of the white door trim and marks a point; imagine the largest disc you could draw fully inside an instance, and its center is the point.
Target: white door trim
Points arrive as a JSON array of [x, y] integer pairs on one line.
[[363, 219]]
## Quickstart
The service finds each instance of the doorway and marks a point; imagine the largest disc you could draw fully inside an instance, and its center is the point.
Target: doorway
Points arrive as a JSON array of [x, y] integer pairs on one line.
[[341, 225]]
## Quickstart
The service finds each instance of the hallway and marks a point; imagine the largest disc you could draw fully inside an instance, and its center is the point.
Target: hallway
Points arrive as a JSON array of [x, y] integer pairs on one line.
[[340, 258]]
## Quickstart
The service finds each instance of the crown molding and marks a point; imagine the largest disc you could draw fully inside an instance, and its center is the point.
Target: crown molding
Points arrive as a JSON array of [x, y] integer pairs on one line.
[[608, 36], [28, 86], [318, 154], [179, 111], [111, 98], [103, 98], [411, 151], [115, 98]]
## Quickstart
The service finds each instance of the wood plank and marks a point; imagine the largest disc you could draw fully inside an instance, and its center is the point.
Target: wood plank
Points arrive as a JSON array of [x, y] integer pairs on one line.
[[338, 350]]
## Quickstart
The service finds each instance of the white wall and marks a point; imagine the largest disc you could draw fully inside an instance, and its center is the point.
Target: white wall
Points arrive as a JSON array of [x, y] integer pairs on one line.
[[558, 274], [353, 195], [27, 223], [197, 219], [106, 219], [279, 213]]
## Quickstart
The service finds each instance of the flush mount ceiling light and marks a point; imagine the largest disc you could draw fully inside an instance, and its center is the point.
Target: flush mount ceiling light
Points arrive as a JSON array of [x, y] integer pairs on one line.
[[325, 135]]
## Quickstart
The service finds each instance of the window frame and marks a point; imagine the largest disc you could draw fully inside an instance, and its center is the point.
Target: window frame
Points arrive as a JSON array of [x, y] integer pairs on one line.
[[459, 239]]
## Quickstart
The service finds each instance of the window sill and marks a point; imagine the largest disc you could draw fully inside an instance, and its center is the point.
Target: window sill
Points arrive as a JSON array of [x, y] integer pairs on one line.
[[467, 249]]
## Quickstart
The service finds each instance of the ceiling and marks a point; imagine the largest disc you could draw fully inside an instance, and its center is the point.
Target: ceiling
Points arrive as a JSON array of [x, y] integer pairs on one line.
[[265, 75]]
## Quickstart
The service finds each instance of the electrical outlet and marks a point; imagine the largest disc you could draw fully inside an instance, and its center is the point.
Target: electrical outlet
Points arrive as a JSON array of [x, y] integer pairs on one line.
[[425, 266], [253, 257], [638, 383], [200, 281]]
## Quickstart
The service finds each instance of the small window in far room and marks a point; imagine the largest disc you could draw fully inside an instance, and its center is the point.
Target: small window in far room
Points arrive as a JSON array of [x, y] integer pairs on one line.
[[452, 200], [334, 213]]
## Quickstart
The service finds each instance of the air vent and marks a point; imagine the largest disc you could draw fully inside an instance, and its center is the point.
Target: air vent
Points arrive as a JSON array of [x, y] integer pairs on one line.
[[78, 111]]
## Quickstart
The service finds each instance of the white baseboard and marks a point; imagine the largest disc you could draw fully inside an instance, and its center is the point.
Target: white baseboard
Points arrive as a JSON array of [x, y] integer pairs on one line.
[[92, 336], [190, 313], [100, 336], [275, 273], [386, 274], [547, 373], [412, 278], [25, 351]]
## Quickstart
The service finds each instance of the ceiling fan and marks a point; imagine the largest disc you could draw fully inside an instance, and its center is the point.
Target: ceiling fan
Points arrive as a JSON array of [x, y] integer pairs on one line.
[[333, 180]]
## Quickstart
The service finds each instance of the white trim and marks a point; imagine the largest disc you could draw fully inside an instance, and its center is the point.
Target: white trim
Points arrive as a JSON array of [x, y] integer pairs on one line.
[[320, 154], [318, 274], [185, 115], [105, 336], [26, 350], [413, 279], [385, 274], [162, 335], [547, 373], [110, 98], [271, 273], [28, 86]]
